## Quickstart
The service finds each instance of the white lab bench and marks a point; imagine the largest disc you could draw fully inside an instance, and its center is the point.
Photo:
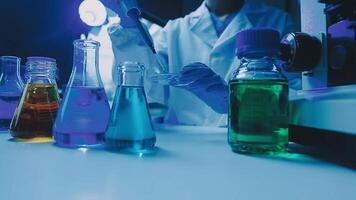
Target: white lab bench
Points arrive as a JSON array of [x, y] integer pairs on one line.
[[191, 163]]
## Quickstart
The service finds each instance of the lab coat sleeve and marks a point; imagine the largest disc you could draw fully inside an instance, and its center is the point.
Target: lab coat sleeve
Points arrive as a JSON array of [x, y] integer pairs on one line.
[[161, 45]]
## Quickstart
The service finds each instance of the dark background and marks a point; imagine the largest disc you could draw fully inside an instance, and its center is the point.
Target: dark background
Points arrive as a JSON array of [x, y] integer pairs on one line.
[[41, 28], [170, 9], [48, 27]]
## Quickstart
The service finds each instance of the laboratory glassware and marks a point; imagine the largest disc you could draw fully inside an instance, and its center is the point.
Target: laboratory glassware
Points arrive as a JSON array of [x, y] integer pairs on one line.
[[38, 106], [11, 86], [130, 127], [171, 79], [84, 112], [258, 103]]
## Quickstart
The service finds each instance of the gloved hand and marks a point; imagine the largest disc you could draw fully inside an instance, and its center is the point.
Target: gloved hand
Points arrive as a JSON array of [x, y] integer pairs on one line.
[[128, 45], [205, 84]]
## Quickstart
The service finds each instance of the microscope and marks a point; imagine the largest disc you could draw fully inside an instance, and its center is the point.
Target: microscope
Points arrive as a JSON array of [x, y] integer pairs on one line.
[[323, 113]]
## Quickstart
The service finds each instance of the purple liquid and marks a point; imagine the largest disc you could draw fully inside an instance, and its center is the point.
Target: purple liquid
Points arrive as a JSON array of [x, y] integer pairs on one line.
[[82, 117], [8, 104]]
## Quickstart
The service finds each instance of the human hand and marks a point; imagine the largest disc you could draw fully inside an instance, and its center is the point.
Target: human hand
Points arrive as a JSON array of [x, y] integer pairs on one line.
[[205, 84]]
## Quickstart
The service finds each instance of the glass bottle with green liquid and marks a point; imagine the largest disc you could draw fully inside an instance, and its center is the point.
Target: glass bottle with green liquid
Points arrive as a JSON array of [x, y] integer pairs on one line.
[[258, 103]]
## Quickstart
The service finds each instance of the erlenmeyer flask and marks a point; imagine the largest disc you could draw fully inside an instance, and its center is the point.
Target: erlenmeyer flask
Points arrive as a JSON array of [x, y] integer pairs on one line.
[[130, 126], [10, 89], [37, 109], [84, 112]]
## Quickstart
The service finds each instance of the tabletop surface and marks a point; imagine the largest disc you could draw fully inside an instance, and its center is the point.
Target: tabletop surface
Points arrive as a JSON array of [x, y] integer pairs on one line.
[[191, 163]]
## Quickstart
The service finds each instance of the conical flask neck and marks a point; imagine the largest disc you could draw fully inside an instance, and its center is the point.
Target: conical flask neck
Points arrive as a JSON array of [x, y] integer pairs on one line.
[[10, 68], [131, 74], [41, 70], [85, 64]]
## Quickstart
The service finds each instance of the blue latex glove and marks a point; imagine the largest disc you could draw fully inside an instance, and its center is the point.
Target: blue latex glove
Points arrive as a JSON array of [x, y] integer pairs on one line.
[[123, 8], [205, 84]]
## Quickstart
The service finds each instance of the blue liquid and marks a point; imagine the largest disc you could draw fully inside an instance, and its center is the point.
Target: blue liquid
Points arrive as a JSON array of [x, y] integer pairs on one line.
[[82, 117], [130, 127], [8, 104]]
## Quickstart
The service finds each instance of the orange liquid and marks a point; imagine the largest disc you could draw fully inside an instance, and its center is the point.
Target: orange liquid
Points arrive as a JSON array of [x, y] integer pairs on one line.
[[36, 113]]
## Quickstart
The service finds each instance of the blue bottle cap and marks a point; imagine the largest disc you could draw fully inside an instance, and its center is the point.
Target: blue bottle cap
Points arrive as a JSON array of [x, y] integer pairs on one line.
[[257, 42]]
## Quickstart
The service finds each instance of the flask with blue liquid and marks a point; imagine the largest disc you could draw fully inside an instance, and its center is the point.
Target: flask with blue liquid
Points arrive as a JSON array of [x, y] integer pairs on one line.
[[84, 112], [11, 87], [130, 128]]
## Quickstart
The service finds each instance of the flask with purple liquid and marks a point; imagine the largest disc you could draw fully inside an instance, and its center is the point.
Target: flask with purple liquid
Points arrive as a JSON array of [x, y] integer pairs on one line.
[[84, 112], [11, 87]]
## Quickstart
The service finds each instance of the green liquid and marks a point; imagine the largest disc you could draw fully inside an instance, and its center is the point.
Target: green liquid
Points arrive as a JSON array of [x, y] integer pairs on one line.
[[258, 116]]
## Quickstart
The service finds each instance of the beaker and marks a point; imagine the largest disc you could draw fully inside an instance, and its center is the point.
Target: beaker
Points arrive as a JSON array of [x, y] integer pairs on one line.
[[37, 109], [84, 112], [130, 127], [11, 87]]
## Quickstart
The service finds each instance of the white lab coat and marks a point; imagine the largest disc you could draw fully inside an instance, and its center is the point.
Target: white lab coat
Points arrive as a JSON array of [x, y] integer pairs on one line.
[[193, 39], [120, 45]]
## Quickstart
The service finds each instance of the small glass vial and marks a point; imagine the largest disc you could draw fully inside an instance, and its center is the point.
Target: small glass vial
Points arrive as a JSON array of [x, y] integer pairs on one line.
[[258, 103], [37, 109], [11, 87], [130, 127], [84, 112]]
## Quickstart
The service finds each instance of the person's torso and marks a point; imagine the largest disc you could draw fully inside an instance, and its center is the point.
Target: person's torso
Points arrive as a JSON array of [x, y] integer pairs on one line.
[[193, 39]]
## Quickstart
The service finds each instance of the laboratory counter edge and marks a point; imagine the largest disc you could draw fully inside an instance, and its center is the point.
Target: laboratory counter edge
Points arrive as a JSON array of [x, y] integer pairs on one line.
[[190, 163]]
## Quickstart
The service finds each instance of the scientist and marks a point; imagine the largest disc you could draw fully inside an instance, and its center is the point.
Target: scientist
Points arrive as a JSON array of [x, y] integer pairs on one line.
[[207, 36], [201, 48]]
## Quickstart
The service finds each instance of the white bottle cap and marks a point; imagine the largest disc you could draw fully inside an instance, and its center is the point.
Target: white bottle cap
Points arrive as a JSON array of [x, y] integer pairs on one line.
[[92, 12]]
